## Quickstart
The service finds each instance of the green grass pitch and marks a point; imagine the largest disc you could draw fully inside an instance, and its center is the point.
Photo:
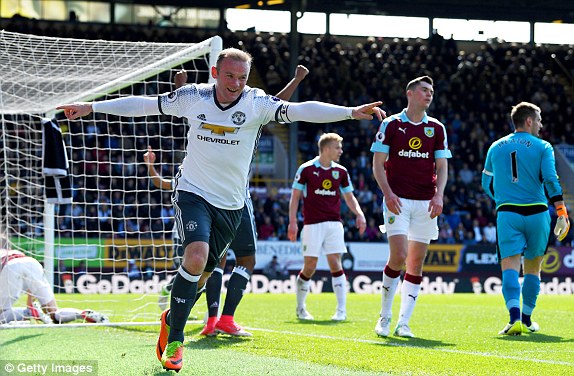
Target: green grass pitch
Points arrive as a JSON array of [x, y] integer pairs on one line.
[[456, 335]]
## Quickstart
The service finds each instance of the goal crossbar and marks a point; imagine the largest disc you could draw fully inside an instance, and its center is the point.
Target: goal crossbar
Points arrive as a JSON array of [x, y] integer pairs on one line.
[[43, 71], [202, 48]]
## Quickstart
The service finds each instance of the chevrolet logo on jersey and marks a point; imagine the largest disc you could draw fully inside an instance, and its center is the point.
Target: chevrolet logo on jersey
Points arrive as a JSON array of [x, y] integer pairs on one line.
[[219, 130]]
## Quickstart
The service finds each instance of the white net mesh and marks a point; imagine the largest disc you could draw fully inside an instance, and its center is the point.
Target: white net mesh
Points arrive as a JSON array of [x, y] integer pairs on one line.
[[118, 220], [39, 73]]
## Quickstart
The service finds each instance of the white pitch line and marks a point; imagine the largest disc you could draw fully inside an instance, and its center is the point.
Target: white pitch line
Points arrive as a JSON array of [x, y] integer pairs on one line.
[[370, 341], [27, 325]]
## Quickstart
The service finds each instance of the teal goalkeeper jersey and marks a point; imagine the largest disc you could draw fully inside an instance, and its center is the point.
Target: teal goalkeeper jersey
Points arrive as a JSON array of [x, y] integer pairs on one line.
[[518, 168]]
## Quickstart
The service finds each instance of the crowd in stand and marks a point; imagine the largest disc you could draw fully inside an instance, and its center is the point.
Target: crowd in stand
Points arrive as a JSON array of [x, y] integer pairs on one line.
[[474, 92]]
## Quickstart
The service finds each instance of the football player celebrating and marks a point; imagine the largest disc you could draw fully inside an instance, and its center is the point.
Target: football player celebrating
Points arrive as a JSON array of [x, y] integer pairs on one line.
[[225, 121], [243, 245]]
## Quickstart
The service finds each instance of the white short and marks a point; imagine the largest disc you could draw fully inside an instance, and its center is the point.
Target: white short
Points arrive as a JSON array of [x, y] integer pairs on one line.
[[20, 275], [323, 239], [414, 221]]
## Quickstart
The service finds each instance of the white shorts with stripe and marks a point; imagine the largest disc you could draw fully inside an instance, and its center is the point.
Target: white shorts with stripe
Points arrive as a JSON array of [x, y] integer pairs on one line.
[[414, 221], [20, 275], [323, 239]]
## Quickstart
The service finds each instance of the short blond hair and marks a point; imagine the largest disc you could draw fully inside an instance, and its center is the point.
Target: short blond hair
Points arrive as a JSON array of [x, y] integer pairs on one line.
[[327, 138], [234, 54]]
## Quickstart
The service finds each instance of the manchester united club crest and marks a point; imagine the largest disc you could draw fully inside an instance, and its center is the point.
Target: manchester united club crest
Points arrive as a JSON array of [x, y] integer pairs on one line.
[[191, 226], [238, 118], [429, 131]]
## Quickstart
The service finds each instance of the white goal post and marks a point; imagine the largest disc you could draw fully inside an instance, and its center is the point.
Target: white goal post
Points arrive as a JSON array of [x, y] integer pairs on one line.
[[116, 219]]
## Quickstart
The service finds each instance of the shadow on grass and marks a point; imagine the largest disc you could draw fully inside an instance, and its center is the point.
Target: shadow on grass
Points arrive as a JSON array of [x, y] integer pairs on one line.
[[414, 342], [138, 329], [215, 342], [318, 322], [160, 371], [163, 372], [20, 339], [536, 337], [191, 328]]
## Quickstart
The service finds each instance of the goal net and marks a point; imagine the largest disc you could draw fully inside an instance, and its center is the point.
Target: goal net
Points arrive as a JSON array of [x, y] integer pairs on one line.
[[92, 216]]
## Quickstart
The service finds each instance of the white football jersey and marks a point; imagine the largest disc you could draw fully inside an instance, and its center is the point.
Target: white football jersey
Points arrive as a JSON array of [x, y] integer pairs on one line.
[[8, 255], [221, 141]]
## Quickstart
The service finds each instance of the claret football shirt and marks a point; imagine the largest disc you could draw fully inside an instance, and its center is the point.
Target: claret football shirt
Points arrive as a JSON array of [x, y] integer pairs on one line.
[[322, 188], [412, 150]]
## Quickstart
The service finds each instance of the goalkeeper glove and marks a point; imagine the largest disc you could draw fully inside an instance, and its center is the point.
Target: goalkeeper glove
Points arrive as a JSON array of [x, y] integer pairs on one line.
[[562, 224]]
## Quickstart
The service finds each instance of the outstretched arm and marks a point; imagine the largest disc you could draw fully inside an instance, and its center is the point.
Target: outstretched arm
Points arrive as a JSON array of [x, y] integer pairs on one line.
[[126, 106], [300, 73], [76, 110], [328, 112], [320, 112]]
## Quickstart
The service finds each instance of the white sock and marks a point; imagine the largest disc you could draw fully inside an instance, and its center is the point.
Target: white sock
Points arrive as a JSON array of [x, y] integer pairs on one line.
[[64, 315], [340, 289], [409, 295], [302, 291], [389, 289]]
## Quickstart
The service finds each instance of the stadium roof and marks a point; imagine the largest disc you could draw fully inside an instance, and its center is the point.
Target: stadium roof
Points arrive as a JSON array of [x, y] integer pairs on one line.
[[510, 10]]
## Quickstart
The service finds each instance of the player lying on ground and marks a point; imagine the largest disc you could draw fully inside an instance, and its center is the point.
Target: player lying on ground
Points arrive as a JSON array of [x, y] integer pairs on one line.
[[20, 274]]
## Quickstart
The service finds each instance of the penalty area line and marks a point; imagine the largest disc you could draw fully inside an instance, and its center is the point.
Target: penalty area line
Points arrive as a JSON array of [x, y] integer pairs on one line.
[[374, 342]]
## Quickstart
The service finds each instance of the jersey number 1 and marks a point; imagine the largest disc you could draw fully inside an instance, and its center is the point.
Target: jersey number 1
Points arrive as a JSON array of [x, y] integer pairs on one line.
[[514, 166]]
